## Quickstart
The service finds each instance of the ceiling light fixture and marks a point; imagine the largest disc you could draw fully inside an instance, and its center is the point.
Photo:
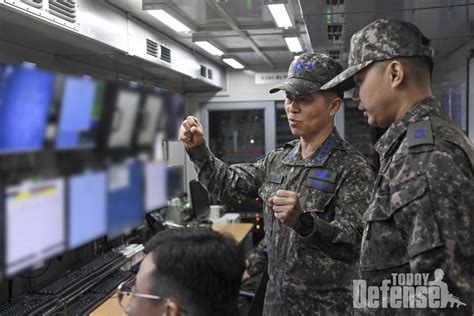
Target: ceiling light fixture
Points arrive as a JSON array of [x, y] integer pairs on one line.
[[294, 44], [233, 63], [169, 20], [208, 47], [280, 15]]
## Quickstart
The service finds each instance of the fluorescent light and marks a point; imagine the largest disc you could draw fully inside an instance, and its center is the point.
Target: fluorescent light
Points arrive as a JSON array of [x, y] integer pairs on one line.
[[233, 63], [293, 44], [280, 15], [208, 47], [169, 20]]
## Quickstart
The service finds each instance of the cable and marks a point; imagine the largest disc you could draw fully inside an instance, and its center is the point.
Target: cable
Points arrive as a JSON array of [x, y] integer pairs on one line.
[[39, 274]]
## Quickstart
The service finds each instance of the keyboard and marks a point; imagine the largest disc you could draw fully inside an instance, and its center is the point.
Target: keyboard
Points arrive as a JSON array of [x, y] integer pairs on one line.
[[71, 279], [101, 261], [85, 303], [28, 305], [110, 283], [62, 284]]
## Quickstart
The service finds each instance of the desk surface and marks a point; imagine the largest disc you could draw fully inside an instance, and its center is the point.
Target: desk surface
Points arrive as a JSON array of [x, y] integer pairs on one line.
[[111, 307], [238, 231]]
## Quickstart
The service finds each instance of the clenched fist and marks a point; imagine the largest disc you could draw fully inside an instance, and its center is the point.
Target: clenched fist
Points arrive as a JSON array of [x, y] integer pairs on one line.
[[191, 132], [286, 206]]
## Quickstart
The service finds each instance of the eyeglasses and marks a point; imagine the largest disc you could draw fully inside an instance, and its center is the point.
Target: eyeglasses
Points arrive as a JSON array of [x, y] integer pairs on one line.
[[125, 294]]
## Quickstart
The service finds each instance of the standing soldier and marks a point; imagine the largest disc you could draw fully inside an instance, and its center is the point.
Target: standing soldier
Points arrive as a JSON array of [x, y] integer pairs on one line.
[[420, 217], [315, 191]]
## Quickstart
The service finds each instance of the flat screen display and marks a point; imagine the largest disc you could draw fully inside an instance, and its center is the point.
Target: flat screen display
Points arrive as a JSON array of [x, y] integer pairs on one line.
[[152, 112], [124, 117], [81, 105], [35, 223], [175, 178], [155, 186], [125, 202], [25, 97], [87, 205], [175, 115]]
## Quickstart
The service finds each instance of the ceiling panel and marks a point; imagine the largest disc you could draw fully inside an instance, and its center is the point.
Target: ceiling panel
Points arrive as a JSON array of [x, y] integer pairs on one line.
[[445, 22]]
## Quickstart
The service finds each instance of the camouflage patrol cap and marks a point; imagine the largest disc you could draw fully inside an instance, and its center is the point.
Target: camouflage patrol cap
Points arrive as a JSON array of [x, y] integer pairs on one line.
[[381, 40], [308, 73]]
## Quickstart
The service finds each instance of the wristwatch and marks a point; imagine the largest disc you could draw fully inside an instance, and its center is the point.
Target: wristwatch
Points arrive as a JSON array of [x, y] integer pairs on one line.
[[306, 224]]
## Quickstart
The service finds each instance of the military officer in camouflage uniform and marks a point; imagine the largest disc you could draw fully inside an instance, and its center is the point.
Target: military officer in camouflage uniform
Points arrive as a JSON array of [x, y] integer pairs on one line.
[[420, 217], [315, 191]]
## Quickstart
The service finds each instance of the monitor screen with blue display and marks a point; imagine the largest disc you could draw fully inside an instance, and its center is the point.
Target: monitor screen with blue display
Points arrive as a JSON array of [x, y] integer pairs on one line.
[[25, 97], [125, 197], [80, 113], [87, 204], [35, 223], [2, 236]]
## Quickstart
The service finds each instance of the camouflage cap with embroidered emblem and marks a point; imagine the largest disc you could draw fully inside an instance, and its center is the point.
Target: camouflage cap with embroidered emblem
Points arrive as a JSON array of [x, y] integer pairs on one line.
[[382, 39], [308, 73]]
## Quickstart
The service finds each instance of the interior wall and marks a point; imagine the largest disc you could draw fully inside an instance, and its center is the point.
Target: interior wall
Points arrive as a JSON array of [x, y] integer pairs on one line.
[[240, 86], [452, 70]]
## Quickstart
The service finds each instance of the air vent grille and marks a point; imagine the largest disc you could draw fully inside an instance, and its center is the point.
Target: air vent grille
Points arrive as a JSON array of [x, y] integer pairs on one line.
[[34, 3], [203, 71], [151, 48], [165, 54], [209, 73], [64, 9]]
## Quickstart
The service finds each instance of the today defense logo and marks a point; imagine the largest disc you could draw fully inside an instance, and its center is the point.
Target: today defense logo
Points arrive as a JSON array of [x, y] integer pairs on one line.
[[406, 290]]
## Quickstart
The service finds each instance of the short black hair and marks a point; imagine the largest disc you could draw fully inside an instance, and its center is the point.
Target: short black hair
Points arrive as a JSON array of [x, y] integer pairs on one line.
[[329, 94], [200, 268]]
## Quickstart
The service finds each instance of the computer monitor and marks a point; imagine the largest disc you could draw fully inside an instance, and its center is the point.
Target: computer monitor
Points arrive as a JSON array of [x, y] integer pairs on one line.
[[176, 104], [155, 186], [125, 202], [152, 115], [87, 205], [81, 105], [125, 100], [199, 199], [35, 223], [175, 178], [25, 97]]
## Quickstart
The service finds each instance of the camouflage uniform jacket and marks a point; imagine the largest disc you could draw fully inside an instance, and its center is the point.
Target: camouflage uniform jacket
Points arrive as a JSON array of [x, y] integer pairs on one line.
[[420, 217], [313, 274]]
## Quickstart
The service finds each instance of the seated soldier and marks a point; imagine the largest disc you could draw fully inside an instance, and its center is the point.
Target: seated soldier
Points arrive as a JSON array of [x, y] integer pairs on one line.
[[187, 271]]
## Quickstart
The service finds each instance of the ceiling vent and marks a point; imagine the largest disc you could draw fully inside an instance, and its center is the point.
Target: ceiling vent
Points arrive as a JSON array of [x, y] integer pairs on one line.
[[38, 4], [165, 54], [151, 48], [64, 9], [203, 71]]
